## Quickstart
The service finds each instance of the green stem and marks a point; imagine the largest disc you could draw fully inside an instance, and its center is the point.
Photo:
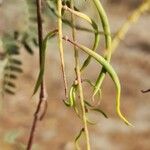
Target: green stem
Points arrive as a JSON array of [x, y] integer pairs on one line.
[[110, 71], [60, 42], [105, 25], [106, 28], [95, 28], [42, 96], [119, 36], [78, 76], [131, 19], [77, 27], [42, 69]]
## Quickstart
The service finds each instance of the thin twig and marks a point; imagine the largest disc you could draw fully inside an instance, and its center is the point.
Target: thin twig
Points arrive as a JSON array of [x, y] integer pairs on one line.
[[60, 42], [145, 91], [109, 70], [42, 96], [133, 18], [78, 76]]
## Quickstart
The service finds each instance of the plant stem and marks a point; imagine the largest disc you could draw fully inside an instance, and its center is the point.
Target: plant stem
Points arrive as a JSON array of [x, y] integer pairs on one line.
[[133, 18], [106, 29], [78, 76], [60, 42], [42, 96], [110, 71]]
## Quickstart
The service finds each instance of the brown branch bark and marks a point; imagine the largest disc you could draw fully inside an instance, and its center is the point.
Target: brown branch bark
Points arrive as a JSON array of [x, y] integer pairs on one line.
[[42, 96], [145, 91]]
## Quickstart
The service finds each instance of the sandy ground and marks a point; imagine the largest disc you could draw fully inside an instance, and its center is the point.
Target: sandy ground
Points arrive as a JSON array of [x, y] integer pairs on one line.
[[60, 125]]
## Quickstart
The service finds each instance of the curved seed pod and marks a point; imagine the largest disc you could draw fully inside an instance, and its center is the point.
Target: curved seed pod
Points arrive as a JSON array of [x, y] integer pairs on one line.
[[77, 139], [72, 99], [95, 28], [72, 95], [96, 109], [69, 23], [106, 29], [41, 73], [90, 122], [110, 71], [100, 111], [97, 85], [119, 35]]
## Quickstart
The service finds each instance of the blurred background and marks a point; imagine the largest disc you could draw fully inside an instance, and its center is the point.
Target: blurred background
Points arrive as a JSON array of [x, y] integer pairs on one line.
[[131, 60]]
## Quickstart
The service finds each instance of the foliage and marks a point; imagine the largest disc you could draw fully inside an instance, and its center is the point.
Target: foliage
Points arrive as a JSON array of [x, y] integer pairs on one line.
[[12, 64], [74, 97]]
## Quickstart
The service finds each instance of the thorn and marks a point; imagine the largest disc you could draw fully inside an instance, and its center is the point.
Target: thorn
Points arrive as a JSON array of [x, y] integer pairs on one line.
[[145, 91]]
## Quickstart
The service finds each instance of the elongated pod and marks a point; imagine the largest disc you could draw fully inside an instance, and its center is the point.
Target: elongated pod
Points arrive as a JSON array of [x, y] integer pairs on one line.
[[110, 71], [120, 34], [106, 28], [41, 73], [95, 28], [69, 23]]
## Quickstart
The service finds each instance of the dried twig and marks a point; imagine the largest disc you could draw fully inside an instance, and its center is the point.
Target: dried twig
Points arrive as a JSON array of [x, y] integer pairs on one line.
[[42, 96]]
